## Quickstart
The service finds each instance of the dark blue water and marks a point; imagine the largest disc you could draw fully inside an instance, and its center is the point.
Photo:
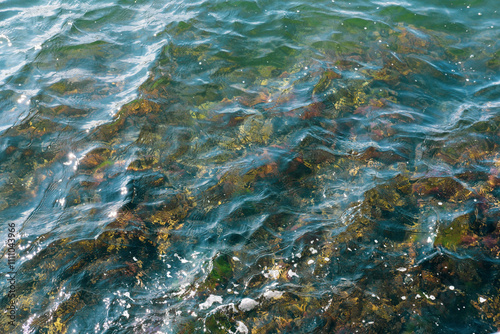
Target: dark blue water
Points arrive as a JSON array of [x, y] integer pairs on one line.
[[250, 166]]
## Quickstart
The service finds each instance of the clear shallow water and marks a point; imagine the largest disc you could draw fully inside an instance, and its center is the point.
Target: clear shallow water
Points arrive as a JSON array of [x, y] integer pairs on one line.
[[255, 167]]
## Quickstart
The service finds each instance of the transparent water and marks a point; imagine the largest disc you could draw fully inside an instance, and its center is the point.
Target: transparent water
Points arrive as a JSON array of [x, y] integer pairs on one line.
[[250, 166]]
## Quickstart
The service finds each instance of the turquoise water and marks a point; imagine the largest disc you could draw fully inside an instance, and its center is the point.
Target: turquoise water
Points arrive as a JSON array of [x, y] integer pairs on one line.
[[250, 166]]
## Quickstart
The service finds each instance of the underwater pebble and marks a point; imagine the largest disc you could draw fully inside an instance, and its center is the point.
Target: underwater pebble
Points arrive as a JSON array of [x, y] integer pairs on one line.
[[274, 274], [291, 273], [210, 300], [273, 294], [247, 304], [241, 328]]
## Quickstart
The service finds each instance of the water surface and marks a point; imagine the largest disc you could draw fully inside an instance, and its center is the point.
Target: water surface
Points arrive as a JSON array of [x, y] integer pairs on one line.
[[251, 166]]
